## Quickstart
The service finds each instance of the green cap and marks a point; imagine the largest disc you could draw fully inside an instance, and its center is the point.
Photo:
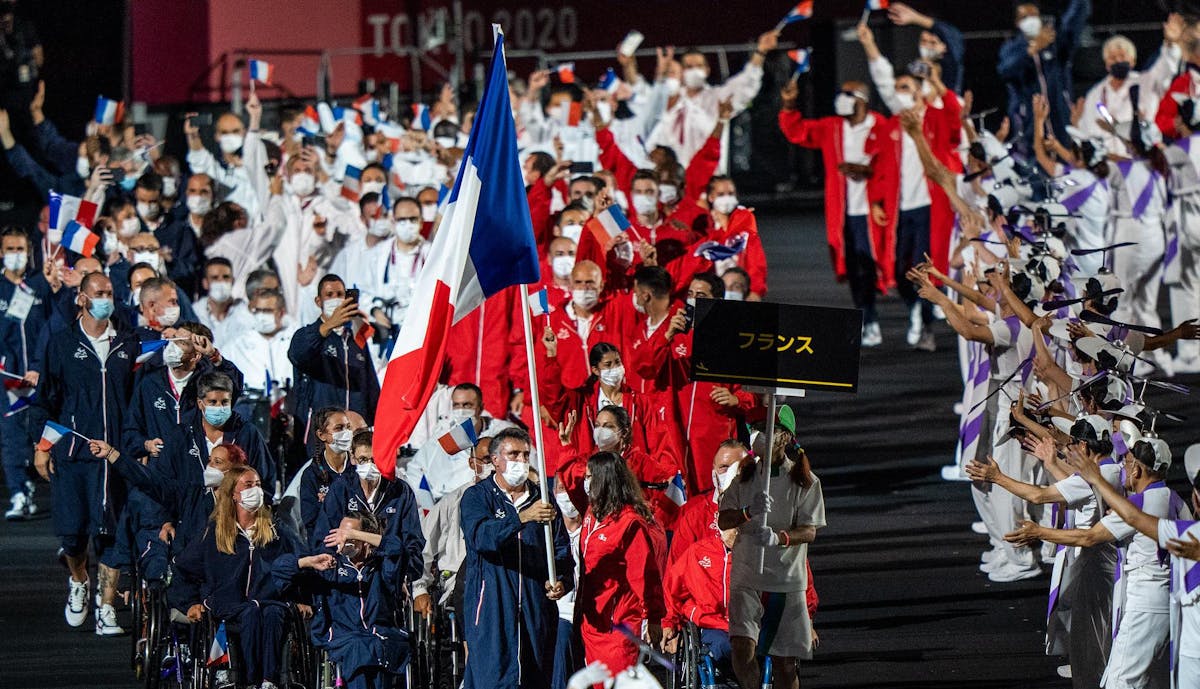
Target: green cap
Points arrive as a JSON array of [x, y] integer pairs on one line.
[[786, 418]]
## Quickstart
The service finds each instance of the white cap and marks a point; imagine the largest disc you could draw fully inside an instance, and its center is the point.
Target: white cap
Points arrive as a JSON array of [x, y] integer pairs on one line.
[[1191, 462], [1162, 453]]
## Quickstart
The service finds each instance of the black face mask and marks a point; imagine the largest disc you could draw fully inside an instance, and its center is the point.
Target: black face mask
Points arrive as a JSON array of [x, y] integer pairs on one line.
[[1119, 70]]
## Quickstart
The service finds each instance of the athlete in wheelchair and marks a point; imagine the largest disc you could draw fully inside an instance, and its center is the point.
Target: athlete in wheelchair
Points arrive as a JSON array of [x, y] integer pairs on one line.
[[355, 594]]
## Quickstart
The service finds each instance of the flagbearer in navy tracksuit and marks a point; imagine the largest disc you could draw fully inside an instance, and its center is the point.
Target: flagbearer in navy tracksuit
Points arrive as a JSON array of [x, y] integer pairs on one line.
[[511, 621], [86, 386], [25, 302], [333, 368]]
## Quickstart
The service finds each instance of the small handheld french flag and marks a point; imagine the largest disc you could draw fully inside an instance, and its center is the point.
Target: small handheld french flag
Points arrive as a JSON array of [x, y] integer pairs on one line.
[[424, 494], [352, 184], [108, 111], [79, 239], [802, 10], [613, 220], [539, 303], [363, 332], [218, 653], [876, 5], [369, 107], [51, 434], [800, 57], [609, 82], [261, 71], [461, 437], [566, 72], [421, 117], [149, 348], [64, 208], [311, 124], [676, 491]]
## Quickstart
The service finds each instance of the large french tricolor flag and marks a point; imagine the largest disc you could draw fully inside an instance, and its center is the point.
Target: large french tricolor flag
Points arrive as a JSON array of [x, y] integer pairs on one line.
[[484, 244]]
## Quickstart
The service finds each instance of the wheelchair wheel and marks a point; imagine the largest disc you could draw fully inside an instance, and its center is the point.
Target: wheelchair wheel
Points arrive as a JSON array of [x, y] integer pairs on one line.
[[156, 630], [456, 664], [137, 636], [298, 663], [687, 659]]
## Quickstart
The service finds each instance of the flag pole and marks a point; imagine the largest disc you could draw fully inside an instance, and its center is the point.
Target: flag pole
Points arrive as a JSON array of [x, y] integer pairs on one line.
[[772, 409], [537, 424]]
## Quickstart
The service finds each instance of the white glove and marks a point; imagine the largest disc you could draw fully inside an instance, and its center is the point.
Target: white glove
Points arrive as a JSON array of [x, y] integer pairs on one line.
[[761, 505], [596, 673], [767, 536]]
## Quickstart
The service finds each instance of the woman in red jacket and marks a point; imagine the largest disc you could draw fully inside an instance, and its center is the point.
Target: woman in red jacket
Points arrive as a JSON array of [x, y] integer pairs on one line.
[[622, 551]]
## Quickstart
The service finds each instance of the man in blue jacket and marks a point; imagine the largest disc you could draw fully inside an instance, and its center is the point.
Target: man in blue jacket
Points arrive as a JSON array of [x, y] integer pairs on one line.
[[86, 386], [332, 369], [1038, 60], [25, 302], [511, 621]]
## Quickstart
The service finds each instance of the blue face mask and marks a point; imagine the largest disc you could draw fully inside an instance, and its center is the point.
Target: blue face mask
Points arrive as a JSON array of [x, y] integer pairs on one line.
[[217, 416], [100, 308], [129, 183]]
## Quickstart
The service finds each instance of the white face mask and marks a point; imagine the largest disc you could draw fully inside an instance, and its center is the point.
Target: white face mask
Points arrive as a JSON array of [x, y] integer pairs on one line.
[[637, 305], [485, 470], [843, 104], [303, 183], [220, 292], [587, 487], [198, 205], [462, 414], [380, 227], [605, 438], [148, 257], [928, 53], [129, 227], [562, 266], [82, 167], [694, 77], [252, 499], [734, 295], [408, 231], [645, 204], [372, 187], [15, 262], [213, 477], [429, 212], [368, 472], [170, 187], [725, 204], [668, 193], [111, 244], [230, 143], [612, 377], [1030, 26], [906, 101], [444, 141], [572, 231], [264, 323], [148, 211], [329, 306], [672, 86], [927, 89], [723, 479], [54, 236], [585, 298], [172, 355], [516, 473], [566, 506], [341, 441], [169, 317]]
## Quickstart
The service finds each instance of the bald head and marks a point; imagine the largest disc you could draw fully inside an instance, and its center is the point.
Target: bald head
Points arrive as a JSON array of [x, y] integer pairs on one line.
[[587, 275]]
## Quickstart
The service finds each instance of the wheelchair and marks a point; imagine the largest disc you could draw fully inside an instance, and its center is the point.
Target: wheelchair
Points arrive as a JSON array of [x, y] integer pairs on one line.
[[695, 669], [439, 658], [299, 660]]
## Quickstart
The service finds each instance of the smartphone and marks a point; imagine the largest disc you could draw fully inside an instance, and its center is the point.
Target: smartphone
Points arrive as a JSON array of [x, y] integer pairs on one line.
[[689, 313], [631, 42], [118, 174], [1104, 113], [312, 141], [585, 168], [140, 128], [352, 294], [204, 119]]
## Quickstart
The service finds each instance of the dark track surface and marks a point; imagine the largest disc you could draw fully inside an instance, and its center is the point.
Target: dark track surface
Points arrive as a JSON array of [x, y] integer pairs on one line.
[[902, 602]]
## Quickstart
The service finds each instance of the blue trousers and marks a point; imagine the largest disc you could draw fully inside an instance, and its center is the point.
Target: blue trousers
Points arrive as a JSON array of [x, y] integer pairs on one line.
[[260, 638], [568, 654], [912, 243], [16, 450], [860, 265]]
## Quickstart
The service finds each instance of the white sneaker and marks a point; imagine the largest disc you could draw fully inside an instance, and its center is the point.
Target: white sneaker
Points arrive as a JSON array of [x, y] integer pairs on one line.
[[18, 508], [106, 622], [979, 528], [938, 313], [926, 342], [871, 335], [997, 562], [915, 326], [77, 602], [267, 685], [1064, 671], [958, 408], [30, 506], [990, 555], [1010, 573]]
